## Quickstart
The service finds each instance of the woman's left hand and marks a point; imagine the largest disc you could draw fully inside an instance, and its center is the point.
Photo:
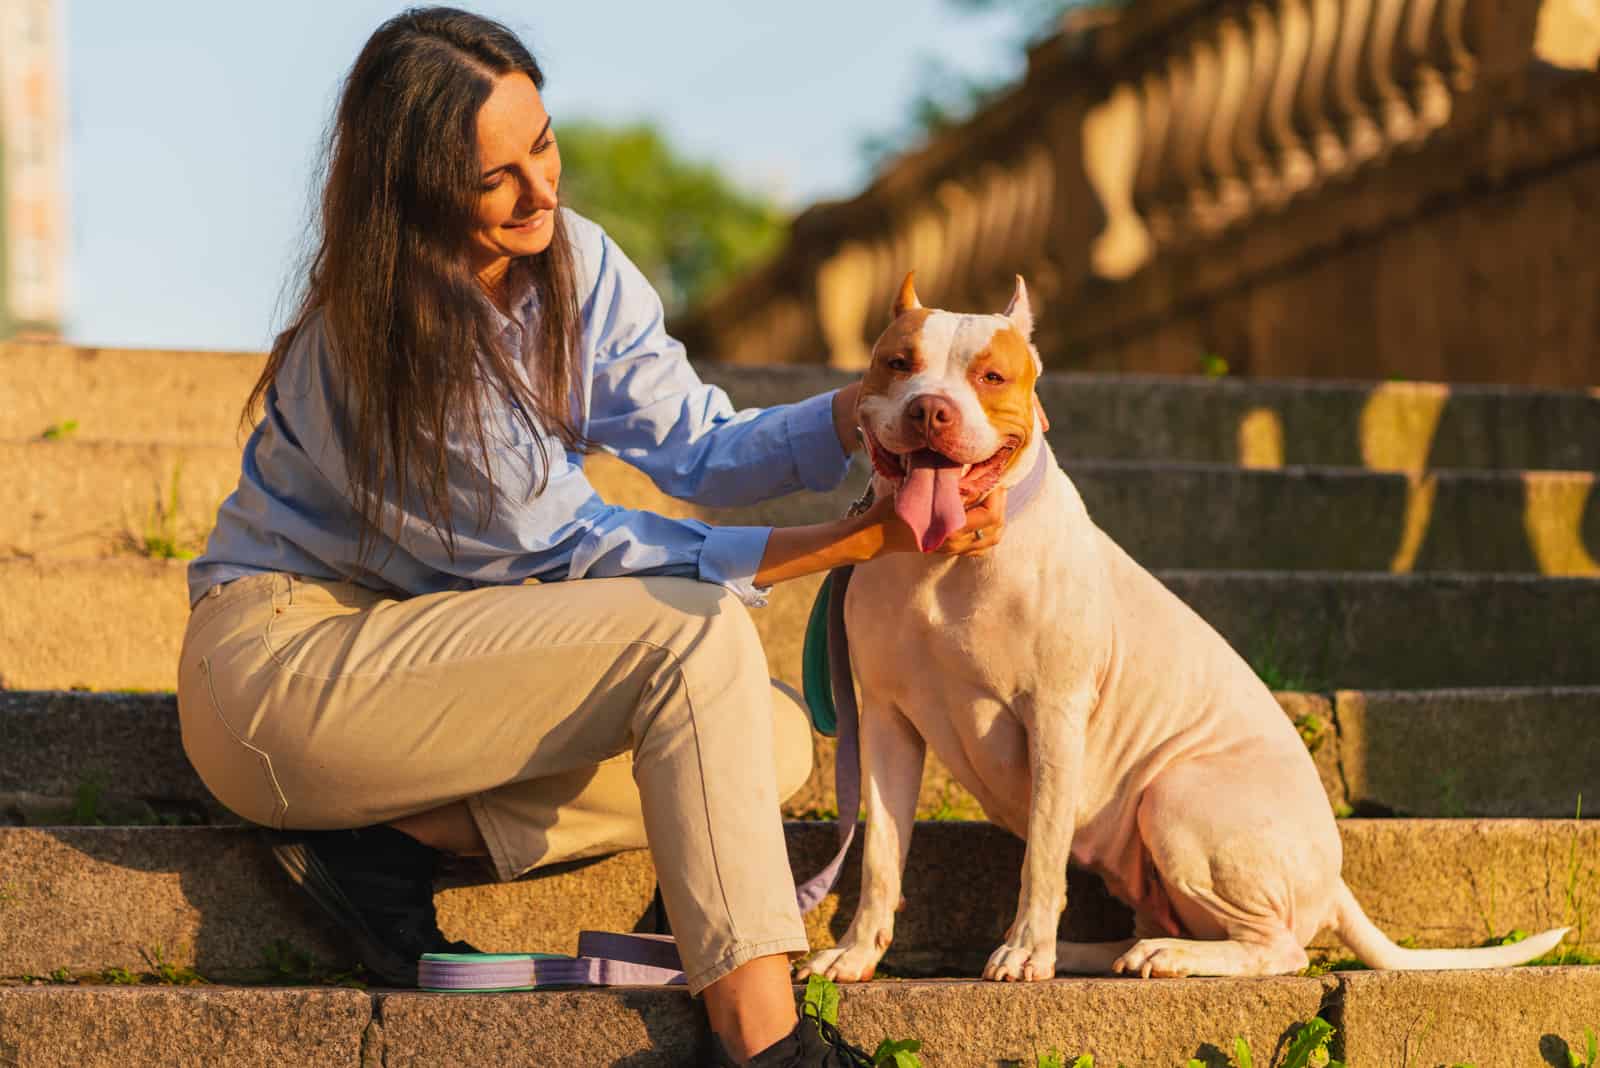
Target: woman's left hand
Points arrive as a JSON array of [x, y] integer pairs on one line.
[[985, 522]]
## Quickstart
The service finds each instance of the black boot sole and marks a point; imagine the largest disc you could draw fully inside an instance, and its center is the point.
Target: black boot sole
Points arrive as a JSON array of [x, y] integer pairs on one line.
[[314, 880]]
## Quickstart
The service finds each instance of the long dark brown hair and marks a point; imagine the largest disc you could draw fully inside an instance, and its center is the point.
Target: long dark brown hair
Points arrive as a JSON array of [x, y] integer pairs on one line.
[[413, 342]]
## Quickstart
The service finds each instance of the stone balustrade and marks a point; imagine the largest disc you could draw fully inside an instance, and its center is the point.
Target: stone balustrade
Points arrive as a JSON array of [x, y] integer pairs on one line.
[[1150, 135], [1243, 106]]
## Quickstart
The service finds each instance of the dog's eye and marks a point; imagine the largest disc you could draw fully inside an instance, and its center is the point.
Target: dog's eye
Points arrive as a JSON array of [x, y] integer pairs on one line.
[[898, 363], [994, 377]]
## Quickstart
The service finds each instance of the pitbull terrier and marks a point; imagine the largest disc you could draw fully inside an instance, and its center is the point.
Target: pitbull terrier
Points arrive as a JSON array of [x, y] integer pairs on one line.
[[1089, 710]]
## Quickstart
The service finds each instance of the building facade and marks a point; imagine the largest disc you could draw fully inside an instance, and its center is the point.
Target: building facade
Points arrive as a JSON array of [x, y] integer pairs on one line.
[[33, 232]]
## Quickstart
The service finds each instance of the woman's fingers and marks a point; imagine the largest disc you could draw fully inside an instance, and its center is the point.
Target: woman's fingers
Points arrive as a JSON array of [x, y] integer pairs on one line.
[[985, 523]]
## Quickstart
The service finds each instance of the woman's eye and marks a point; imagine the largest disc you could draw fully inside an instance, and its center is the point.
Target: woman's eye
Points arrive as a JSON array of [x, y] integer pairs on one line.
[[492, 183], [543, 145]]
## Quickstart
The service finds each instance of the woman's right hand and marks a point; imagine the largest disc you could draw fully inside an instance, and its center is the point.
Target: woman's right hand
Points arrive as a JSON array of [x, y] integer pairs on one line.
[[985, 523]]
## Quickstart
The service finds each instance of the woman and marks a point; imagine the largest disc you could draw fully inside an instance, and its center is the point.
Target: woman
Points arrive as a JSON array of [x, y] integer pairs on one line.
[[366, 661]]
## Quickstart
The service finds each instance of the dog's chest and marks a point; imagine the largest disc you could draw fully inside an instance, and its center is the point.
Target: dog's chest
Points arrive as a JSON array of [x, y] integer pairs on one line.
[[948, 632]]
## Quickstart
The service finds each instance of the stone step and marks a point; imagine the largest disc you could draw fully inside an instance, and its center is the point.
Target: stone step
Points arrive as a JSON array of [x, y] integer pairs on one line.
[[1449, 753], [118, 624], [85, 499], [195, 397], [92, 898], [1517, 1018]]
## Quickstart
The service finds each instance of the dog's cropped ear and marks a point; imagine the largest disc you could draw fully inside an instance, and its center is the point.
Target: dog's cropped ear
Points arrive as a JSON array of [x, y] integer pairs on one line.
[[1020, 311], [906, 300]]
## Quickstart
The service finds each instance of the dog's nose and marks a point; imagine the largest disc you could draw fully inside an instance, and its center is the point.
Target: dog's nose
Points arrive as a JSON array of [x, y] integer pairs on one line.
[[931, 412]]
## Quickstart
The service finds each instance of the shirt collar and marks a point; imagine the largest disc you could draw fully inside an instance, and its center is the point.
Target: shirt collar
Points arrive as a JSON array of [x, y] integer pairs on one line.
[[522, 301]]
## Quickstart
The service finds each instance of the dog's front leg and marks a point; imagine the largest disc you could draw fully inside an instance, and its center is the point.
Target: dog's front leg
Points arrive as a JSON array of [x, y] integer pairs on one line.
[[891, 757], [1055, 758]]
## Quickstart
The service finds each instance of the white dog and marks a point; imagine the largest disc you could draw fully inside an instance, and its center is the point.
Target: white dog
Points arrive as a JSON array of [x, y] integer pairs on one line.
[[1088, 709]]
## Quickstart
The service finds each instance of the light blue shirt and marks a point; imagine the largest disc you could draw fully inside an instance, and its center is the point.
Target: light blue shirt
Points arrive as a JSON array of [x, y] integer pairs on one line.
[[645, 404]]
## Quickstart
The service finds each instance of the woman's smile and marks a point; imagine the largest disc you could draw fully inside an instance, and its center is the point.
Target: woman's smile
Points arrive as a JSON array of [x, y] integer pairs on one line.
[[533, 222]]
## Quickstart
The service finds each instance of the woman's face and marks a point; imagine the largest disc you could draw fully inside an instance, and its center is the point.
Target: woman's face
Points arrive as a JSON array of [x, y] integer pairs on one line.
[[519, 168]]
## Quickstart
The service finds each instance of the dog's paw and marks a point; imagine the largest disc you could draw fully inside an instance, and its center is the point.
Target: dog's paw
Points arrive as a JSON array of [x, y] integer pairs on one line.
[[1160, 958], [1027, 963], [842, 964]]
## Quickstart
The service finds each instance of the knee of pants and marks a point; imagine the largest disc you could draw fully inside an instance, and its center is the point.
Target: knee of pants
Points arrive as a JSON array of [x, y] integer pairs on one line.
[[722, 638]]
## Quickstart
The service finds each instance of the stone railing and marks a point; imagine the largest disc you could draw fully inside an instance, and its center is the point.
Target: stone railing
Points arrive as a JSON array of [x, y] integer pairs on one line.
[[1138, 136], [1242, 106]]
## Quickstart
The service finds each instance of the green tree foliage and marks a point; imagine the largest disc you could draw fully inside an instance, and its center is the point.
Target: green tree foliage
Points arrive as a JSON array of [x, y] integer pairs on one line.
[[686, 225], [945, 95]]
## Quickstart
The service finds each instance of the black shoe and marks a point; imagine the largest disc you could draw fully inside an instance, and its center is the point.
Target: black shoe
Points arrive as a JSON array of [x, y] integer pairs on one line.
[[814, 1043], [376, 883]]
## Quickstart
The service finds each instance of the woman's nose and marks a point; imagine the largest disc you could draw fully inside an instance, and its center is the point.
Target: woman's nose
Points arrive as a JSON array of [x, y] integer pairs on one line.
[[539, 188]]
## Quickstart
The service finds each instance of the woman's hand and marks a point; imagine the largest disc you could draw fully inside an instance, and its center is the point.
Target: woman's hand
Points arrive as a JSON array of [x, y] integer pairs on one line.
[[795, 551], [985, 523]]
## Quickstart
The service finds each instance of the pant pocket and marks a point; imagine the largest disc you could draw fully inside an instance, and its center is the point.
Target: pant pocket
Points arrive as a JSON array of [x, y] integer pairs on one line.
[[238, 773]]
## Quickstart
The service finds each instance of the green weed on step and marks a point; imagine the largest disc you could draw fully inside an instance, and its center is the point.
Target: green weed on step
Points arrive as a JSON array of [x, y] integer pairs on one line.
[[1308, 1049]]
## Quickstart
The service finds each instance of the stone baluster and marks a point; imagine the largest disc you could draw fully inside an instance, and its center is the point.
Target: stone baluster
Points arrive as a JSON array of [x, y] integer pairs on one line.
[[1155, 151], [844, 286], [1459, 64], [1312, 113], [1110, 133], [961, 215], [1227, 197], [998, 192], [1362, 140], [1419, 71], [1379, 86], [1296, 170], [1039, 172], [1250, 135], [1202, 85]]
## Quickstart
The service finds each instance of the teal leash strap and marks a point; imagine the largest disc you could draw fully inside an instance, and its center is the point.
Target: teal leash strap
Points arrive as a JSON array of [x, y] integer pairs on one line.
[[816, 679], [847, 759]]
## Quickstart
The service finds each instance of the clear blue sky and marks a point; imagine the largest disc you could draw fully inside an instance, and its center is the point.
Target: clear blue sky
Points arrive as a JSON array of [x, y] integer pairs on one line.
[[193, 123]]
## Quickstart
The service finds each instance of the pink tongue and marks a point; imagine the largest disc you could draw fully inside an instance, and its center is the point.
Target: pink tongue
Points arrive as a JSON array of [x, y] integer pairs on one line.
[[929, 498]]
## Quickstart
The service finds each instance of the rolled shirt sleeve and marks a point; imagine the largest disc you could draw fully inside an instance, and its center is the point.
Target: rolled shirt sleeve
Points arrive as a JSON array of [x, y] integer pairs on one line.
[[648, 407]]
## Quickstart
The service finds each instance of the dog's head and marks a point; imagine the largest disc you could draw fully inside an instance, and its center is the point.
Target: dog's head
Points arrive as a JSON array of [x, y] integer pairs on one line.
[[947, 407]]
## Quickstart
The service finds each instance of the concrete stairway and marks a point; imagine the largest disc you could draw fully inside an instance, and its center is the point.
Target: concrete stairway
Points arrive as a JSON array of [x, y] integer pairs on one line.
[[1413, 565]]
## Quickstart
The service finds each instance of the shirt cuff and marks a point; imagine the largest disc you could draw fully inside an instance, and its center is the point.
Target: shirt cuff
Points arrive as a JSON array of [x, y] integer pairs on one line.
[[731, 556], [814, 443]]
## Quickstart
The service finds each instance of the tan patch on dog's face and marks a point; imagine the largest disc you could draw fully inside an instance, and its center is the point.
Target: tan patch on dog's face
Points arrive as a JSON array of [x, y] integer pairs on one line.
[[1003, 375], [897, 353]]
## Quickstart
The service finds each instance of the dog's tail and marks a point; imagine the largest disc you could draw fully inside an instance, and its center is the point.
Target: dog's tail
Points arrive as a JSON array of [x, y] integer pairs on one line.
[[1375, 950]]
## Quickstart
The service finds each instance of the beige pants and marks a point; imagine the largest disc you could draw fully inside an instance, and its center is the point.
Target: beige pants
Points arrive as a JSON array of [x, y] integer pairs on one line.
[[574, 718]]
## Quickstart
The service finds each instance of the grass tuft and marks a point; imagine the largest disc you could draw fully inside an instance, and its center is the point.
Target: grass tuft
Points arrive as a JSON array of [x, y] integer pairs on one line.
[[161, 538]]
